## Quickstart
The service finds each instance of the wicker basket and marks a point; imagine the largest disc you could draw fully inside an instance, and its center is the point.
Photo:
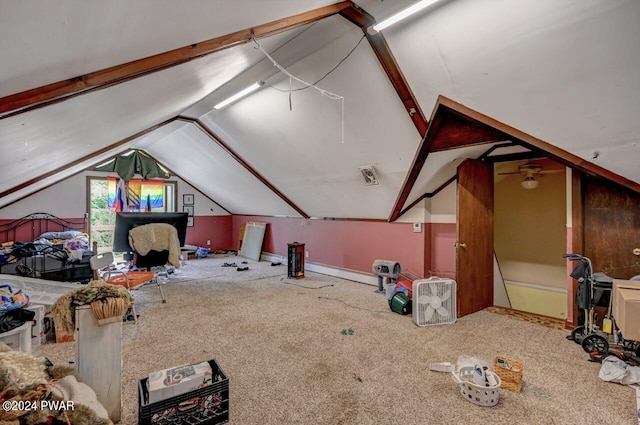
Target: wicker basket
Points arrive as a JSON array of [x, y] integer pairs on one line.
[[510, 372]]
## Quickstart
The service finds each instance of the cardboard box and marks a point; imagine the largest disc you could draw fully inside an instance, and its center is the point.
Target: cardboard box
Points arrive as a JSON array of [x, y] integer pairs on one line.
[[178, 380], [58, 334], [626, 308]]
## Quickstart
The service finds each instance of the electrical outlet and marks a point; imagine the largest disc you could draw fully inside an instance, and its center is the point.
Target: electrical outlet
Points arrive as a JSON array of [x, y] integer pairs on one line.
[[306, 254], [208, 242]]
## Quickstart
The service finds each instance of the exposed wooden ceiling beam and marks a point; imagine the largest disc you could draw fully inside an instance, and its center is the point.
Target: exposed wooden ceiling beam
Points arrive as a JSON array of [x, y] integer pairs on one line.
[[85, 159], [416, 166], [93, 163], [388, 62], [541, 147], [458, 130], [444, 132], [202, 127], [89, 160], [392, 69], [428, 195], [56, 92], [454, 125]]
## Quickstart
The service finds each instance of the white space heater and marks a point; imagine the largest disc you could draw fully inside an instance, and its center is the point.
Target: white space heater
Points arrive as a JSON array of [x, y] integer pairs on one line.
[[434, 301]]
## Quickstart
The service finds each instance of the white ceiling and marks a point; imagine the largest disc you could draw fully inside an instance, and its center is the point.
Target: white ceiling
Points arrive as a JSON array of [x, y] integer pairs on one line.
[[564, 71]]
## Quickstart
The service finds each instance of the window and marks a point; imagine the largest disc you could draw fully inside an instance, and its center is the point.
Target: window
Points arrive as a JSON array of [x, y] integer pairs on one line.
[[102, 219]]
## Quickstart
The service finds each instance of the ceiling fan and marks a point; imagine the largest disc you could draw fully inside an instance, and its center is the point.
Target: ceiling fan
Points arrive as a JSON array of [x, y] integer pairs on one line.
[[531, 170]]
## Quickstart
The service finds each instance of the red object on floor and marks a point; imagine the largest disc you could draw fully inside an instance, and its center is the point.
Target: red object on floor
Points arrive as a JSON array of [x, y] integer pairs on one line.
[[135, 279], [405, 284]]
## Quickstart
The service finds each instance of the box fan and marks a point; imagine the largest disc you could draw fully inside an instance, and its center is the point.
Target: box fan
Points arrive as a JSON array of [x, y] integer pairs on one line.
[[434, 301]]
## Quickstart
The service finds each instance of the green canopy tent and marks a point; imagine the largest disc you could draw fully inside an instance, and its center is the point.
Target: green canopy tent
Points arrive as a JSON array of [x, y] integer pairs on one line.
[[136, 163]]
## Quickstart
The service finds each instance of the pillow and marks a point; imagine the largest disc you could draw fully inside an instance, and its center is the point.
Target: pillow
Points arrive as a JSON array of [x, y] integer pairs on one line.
[[69, 234]]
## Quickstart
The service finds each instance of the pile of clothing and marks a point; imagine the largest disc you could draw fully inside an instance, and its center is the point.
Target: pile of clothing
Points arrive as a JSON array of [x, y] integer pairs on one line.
[[12, 312]]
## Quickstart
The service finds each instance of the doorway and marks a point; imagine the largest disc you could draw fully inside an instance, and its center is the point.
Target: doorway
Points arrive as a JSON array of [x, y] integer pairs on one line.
[[524, 224], [530, 234]]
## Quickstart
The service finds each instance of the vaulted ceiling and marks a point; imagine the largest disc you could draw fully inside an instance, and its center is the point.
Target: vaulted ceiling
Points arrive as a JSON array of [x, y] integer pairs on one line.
[[82, 82]]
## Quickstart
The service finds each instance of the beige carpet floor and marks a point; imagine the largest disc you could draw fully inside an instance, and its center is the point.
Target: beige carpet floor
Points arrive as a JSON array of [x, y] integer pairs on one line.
[[282, 344]]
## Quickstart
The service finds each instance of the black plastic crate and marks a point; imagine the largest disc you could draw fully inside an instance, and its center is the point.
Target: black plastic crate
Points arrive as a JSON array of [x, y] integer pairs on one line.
[[207, 405]]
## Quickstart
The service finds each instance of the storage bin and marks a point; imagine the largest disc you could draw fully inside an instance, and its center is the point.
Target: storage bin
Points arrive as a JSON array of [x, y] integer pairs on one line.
[[18, 339], [37, 331], [208, 405]]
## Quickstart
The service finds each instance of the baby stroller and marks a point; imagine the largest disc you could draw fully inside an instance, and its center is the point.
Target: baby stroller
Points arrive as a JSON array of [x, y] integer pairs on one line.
[[594, 287]]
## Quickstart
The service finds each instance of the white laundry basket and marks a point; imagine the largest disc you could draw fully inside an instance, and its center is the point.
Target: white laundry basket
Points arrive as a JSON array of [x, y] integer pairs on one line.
[[481, 395]]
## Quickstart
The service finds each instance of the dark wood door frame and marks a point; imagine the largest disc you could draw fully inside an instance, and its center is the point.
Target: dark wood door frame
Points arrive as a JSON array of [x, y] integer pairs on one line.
[[577, 241]]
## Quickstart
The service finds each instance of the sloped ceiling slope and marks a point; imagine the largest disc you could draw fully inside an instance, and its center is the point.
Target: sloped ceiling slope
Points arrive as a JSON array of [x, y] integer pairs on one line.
[[43, 43], [213, 171], [564, 72], [311, 146], [41, 142]]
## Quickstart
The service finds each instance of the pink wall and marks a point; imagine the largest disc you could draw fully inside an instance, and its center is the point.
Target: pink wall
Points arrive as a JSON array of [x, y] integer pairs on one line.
[[348, 244], [443, 253], [26, 233], [214, 228]]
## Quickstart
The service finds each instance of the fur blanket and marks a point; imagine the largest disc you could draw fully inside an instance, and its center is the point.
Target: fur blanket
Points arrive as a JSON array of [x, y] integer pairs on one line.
[[158, 237], [24, 377], [64, 308]]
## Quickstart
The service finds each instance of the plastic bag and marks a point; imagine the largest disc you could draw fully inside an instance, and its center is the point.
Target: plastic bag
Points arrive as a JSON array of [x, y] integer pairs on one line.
[[614, 369], [469, 361]]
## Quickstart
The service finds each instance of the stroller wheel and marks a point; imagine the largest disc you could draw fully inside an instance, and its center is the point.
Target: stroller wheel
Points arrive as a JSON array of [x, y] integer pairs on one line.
[[595, 344], [577, 334]]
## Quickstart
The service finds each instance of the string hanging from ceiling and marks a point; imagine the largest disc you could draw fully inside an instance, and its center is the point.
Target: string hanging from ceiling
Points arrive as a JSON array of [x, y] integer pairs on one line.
[[307, 85]]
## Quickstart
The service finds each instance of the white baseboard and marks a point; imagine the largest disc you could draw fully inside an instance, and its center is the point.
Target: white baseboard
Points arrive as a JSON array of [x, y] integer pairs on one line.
[[353, 275]]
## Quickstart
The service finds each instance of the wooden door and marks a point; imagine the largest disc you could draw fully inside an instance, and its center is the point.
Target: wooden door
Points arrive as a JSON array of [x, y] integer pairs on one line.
[[474, 245]]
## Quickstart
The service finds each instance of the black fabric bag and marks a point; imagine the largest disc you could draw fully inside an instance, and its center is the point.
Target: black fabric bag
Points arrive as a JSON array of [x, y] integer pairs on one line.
[[13, 319]]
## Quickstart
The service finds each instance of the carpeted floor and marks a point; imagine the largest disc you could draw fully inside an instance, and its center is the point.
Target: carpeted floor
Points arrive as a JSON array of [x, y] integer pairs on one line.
[[289, 360]]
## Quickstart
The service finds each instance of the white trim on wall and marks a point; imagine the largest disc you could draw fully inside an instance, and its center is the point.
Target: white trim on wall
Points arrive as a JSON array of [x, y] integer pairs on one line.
[[355, 276], [534, 286]]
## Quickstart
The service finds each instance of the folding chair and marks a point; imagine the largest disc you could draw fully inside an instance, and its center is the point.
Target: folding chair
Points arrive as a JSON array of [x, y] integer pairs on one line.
[[101, 266]]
